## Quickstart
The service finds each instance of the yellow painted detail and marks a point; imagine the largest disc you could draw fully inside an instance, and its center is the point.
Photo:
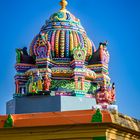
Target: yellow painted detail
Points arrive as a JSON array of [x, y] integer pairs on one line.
[[57, 43], [75, 39], [71, 43], [89, 47], [97, 65], [63, 4], [62, 43]]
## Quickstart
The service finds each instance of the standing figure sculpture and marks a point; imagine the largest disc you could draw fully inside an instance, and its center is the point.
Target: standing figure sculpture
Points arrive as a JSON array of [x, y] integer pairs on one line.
[[30, 83], [47, 82], [39, 82]]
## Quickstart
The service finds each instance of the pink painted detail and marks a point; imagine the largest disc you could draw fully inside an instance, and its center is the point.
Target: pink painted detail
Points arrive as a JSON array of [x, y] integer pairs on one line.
[[52, 40], [105, 96], [89, 96], [62, 93]]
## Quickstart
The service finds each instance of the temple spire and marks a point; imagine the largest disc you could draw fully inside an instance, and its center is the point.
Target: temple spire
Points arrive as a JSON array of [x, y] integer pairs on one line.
[[63, 4]]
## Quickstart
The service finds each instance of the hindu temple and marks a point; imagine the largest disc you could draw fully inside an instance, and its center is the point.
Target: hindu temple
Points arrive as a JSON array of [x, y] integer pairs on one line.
[[63, 89], [63, 70]]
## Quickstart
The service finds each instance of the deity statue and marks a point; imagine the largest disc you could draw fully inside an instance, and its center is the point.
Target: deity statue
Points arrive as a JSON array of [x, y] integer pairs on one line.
[[39, 82], [47, 82], [34, 88], [106, 95], [32, 85]]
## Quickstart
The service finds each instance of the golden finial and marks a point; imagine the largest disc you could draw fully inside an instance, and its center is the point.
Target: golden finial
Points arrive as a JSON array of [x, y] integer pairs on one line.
[[63, 3]]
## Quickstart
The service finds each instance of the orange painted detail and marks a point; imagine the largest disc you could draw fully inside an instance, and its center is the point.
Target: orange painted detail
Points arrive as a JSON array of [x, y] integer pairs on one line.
[[2, 120], [54, 118]]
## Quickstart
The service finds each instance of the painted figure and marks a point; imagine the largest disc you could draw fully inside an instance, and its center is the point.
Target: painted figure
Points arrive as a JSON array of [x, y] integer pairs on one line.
[[105, 95], [39, 82], [34, 88], [47, 83]]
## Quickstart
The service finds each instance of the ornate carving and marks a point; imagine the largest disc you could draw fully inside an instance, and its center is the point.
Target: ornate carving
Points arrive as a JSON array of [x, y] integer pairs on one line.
[[79, 53], [42, 48]]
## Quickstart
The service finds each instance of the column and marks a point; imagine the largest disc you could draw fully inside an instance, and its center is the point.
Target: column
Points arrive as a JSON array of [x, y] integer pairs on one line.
[[76, 82], [82, 83], [17, 86]]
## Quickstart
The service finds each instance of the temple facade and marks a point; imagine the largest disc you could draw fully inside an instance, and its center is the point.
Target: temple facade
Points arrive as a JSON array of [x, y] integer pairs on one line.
[[63, 89]]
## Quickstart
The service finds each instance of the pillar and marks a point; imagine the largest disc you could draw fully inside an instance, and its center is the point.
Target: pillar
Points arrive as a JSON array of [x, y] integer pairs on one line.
[[82, 83], [17, 86], [76, 82]]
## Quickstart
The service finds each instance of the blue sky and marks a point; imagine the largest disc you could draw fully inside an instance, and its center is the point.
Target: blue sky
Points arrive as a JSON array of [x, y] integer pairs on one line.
[[117, 21]]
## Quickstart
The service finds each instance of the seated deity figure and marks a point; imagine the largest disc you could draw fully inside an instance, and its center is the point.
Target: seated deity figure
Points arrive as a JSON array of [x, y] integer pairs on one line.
[[106, 95]]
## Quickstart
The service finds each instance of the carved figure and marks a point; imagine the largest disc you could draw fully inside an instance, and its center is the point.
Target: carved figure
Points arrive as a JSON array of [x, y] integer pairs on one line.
[[47, 83], [105, 95], [39, 83], [30, 84], [34, 88]]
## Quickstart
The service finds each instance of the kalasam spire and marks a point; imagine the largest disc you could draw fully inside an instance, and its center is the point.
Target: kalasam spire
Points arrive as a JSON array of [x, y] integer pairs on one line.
[[63, 4]]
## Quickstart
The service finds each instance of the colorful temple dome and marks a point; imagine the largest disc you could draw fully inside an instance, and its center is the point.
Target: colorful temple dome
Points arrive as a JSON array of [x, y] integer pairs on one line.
[[64, 62], [63, 31]]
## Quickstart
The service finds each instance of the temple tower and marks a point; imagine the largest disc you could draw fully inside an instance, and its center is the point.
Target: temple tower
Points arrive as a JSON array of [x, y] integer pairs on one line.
[[63, 70]]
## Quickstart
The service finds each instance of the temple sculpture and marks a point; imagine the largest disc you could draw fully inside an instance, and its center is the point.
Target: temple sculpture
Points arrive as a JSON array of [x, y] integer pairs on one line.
[[62, 59]]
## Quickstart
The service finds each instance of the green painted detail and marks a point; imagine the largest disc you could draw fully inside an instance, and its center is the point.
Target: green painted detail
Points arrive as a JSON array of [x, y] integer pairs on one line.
[[79, 53], [9, 122], [90, 88], [18, 55], [63, 16], [99, 138], [97, 117], [70, 86], [62, 84], [57, 16]]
